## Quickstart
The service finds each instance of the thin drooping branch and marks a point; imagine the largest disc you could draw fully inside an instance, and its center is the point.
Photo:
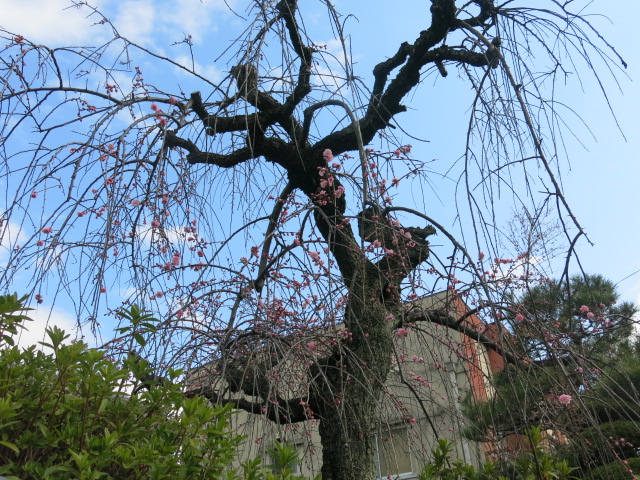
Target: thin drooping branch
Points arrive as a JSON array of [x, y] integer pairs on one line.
[[280, 411], [442, 317], [308, 115], [385, 103], [258, 283], [531, 127]]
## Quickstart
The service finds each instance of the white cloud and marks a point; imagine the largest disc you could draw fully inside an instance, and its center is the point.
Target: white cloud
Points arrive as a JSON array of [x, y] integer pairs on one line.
[[50, 22], [194, 17], [162, 22], [46, 317], [148, 22], [210, 72], [11, 236], [136, 20]]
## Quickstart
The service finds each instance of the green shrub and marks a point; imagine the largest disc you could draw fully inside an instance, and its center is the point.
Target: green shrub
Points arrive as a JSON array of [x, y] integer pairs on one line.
[[66, 414], [617, 438], [615, 470], [537, 464], [444, 468]]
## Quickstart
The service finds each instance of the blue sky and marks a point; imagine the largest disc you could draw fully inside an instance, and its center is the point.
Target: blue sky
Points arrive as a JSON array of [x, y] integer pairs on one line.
[[600, 180]]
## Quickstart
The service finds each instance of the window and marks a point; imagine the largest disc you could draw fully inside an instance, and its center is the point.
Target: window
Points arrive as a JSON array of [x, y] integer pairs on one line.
[[456, 395], [392, 453]]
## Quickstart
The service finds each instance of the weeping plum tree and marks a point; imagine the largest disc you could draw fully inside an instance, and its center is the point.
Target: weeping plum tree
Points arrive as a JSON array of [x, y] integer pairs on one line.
[[260, 211]]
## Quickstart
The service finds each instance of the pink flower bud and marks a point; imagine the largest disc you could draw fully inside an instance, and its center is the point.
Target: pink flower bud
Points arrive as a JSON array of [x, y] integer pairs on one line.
[[402, 333], [565, 399]]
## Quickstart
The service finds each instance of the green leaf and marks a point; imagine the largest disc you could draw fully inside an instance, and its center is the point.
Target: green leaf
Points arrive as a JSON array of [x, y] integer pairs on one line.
[[11, 446], [139, 339]]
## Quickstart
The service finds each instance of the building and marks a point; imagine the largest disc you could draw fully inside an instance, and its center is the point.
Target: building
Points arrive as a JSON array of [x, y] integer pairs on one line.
[[435, 370]]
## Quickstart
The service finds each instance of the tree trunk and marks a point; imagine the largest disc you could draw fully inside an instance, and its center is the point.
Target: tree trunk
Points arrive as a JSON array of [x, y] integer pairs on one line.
[[352, 389], [347, 448]]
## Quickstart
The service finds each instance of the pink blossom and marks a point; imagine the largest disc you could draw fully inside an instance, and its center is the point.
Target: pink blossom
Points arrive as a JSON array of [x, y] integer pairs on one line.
[[176, 259], [40, 243], [159, 294], [135, 202], [339, 191], [579, 370], [376, 243], [565, 399], [519, 317], [47, 230], [584, 309], [327, 182], [155, 224], [402, 333], [327, 155], [412, 420], [34, 194], [103, 290], [590, 315]]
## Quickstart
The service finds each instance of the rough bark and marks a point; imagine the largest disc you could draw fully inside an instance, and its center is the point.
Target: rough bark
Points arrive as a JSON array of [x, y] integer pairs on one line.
[[351, 393]]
